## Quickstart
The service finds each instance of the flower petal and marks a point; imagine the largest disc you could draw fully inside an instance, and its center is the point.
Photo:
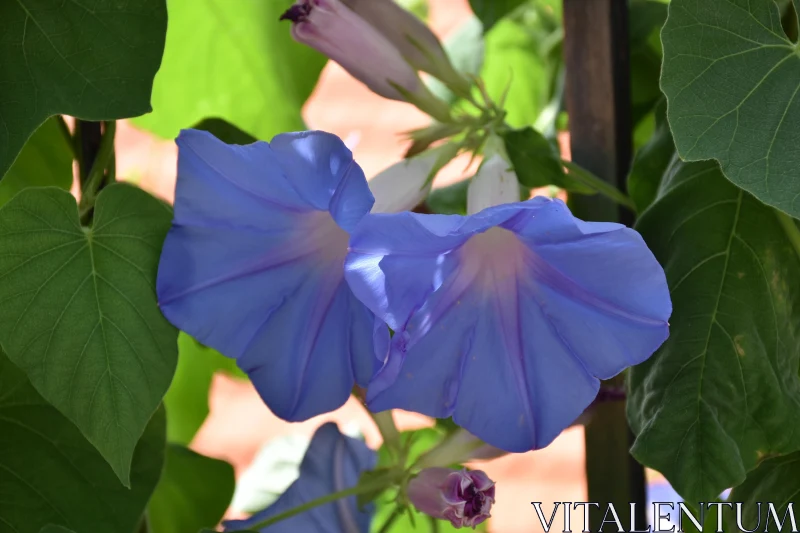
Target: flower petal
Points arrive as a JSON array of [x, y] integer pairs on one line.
[[254, 270], [332, 463], [386, 245], [322, 170], [505, 319]]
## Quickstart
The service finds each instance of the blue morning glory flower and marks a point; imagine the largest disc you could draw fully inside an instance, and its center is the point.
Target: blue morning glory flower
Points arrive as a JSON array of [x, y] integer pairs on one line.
[[253, 265], [332, 463], [506, 319]]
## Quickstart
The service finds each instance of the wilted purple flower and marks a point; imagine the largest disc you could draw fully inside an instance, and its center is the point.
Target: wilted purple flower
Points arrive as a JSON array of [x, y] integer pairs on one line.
[[332, 463], [463, 497], [333, 29], [253, 265], [505, 319], [413, 39]]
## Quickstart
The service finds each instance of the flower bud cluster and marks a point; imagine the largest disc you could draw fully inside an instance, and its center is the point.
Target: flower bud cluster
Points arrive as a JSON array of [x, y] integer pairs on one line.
[[380, 44]]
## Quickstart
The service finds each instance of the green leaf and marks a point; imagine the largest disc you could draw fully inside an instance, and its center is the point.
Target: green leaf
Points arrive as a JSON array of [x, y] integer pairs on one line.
[[94, 62], [52, 475], [776, 481], [45, 160], [491, 11], [78, 311], [187, 398], [537, 161], [651, 162], [723, 391], [194, 492], [465, 49], [646, 20], [732, 79], [52, 528], [237, 63], [515, 67]]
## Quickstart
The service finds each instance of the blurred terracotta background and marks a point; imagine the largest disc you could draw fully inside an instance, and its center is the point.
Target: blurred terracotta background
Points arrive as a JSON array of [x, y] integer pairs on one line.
[[239, 423]]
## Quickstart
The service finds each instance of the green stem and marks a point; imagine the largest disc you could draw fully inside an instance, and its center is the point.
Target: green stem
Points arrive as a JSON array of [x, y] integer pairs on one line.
[[364, 488], [601, 186], [95, 178], [391, 436], [791, 230], [390, 521]]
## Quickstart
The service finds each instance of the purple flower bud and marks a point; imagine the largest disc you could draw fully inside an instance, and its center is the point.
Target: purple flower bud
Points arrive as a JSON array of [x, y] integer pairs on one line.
[[463, 497], [332, 28], [413, 39]]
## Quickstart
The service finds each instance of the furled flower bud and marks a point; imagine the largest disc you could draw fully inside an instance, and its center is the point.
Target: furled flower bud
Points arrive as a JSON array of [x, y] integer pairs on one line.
[[463, 497], [402, 186], [495, 183], [413, 39], [333, 29]]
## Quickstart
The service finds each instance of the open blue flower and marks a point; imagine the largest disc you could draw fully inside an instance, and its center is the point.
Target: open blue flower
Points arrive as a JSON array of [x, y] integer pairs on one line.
[[506, 319], [253, 265], [332, 463]]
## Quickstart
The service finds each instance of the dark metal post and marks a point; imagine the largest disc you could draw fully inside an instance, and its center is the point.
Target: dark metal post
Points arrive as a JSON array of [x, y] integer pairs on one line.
[[89, 135], [598, 101]]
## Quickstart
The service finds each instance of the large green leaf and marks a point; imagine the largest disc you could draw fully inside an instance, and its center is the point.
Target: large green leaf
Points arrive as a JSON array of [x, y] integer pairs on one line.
[[732, 79], [775, 481], [50, 474], [78, 312], [187, 397], [234, 62], [92, 60], [45, 160], [491, 11], [194, 492], [723, 391]]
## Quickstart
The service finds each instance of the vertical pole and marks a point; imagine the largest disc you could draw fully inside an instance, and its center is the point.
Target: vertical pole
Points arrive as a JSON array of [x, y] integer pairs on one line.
[[89, 135], [598, 101]]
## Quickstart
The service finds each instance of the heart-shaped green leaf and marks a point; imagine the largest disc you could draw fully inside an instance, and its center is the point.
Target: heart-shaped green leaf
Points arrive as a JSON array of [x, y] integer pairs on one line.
[[732, 80], [51, 476], [722, 392], [78, 311], [94, 60]]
